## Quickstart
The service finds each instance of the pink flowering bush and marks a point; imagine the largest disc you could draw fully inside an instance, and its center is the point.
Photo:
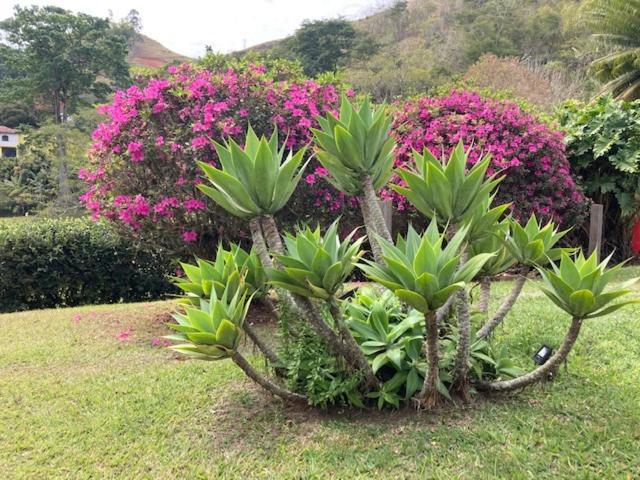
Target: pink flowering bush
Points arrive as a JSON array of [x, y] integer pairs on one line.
[[531, 155], [143, 172]]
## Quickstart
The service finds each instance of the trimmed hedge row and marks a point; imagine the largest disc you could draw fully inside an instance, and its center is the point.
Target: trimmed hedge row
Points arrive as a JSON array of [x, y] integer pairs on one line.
[[53, 263]]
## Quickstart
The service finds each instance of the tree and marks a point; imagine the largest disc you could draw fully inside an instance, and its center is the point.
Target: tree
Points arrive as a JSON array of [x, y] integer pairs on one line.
[[616, 25], [322, 44], [64, 57]]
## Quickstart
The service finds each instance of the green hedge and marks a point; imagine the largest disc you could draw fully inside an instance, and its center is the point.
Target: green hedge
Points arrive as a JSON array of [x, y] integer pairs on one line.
[[52, 263]]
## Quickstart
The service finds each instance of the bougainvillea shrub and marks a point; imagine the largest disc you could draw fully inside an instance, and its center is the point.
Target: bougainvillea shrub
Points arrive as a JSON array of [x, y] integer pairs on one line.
[[531, 155], [143, 172]]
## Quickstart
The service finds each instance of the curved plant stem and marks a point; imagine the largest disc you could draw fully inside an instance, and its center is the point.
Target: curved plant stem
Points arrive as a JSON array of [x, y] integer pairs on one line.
[[262, 346], [543, 370], [485, 295], [460, 379], [444, 310], [372, 199], [373, 218], [264, 382], [429, 396], [357, 357], [497, 319]]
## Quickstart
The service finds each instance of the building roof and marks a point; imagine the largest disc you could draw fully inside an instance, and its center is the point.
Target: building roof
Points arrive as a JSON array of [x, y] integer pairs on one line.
[[4, 129]]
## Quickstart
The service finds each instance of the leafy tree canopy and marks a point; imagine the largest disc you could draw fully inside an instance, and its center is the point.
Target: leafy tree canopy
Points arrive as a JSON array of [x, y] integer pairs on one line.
[[61, 58]]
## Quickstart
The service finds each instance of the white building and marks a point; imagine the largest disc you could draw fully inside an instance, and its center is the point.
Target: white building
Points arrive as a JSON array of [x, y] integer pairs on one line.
[[8, 142]]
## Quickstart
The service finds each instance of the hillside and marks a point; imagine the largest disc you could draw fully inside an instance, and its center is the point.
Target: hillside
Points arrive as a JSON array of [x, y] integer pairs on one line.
[[421, 45], [147, 52]]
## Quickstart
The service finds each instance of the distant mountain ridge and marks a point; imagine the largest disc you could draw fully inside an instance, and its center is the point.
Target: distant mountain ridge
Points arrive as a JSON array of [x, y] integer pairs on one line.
[[147, 52]]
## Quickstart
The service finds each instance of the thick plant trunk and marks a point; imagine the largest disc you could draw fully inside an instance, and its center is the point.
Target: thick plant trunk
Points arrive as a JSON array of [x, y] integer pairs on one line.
[[303, 305], [543, 370], [460, 379], [373, 201], [444, 310], [262, 346], [265, 383], [373, 219], [506, 306], [357, 357], [271, 234], [371, 231], [485, 295], [429, 396], [258, 242]]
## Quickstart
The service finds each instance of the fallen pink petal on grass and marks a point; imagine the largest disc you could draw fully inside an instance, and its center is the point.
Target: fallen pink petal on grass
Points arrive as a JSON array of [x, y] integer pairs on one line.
[[124, 335]]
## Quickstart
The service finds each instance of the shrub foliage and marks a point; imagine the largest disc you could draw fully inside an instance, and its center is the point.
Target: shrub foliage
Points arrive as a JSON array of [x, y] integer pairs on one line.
[[53, 263]]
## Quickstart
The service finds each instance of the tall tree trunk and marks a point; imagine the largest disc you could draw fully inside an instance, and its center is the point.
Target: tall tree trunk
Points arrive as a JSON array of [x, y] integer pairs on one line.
[[429, 396], [264, 382], [64, 191], [266, 350], [506, 306], [485, 295], [543, 370], [357, 356], [373, 218]]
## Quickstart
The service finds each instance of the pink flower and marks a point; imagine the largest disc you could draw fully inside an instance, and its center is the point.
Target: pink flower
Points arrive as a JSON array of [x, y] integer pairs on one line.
[[189, 236], [124, 335], [159, 140], [310, 179], [76, 318], [193, 204], [135, 151], [199, 142]]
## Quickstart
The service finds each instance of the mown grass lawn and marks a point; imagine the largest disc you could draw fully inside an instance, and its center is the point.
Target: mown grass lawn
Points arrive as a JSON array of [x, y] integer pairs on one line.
[[85, 393]]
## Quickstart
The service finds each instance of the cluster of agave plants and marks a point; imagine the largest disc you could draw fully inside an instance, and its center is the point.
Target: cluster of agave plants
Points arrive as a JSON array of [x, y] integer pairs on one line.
[[411, 334]]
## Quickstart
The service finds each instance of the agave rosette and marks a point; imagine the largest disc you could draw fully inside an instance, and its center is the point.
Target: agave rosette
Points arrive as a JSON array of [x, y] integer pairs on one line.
[[316, 265], [577, 285], [421, 270], [232, 270], [213, 330], [354, 145], [255, 180], [446, 190], [534, 244]]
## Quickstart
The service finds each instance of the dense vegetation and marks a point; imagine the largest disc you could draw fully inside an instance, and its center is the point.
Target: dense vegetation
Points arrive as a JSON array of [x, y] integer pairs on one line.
[[55, 263]]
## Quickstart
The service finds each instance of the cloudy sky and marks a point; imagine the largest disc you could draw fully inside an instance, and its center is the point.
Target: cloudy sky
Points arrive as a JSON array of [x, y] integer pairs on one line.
[[186, 26]]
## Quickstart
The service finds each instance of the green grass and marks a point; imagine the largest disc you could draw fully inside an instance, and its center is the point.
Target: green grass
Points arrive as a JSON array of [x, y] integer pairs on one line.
[[77, 402]]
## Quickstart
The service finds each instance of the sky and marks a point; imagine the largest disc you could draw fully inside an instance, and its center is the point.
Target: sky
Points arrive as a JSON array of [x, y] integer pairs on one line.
[[186, 26]]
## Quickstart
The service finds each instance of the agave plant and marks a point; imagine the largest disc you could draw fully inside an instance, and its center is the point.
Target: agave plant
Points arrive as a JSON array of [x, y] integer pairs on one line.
[[255, 180], [231, 270], [355, 145], [424, 273], [579, 287], [357, 151], [316, 265], [534, 244], [212, 331], [445, 190], [421, 270], [382, 336], [531, 245]]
